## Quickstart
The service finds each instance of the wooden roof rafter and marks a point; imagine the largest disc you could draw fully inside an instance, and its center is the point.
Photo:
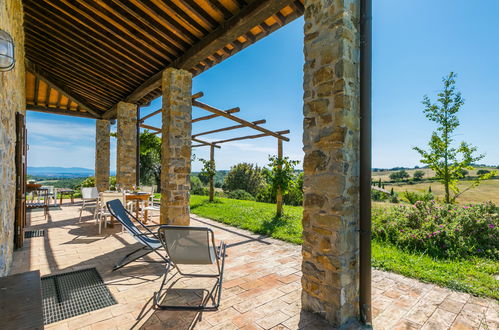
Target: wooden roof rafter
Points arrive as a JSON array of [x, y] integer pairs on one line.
[[53, 84], [109, 51]]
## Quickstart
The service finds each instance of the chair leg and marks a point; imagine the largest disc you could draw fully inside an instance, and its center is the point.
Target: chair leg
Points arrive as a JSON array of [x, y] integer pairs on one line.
[[122, 263], [81, 210]]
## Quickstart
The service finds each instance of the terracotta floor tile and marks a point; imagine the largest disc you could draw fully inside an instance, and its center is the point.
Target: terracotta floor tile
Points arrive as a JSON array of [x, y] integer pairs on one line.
[[262, 287]]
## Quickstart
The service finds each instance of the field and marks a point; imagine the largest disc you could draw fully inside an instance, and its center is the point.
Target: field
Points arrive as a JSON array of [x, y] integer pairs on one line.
[[385, 175], [487, 191]]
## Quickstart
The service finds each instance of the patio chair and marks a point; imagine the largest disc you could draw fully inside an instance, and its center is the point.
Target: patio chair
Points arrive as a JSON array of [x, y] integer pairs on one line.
[[186, 245], [51, 194], [148, 239], [89, 195], [103, 212]]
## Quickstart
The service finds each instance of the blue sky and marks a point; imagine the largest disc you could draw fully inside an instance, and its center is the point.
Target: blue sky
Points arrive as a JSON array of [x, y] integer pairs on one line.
[[415, 43]]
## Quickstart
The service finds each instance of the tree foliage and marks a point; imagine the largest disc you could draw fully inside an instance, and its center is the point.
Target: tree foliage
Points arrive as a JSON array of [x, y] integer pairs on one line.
[[443, 157], [399, 175], [245, 176], [150, 159], [281, 173], [418, 175]]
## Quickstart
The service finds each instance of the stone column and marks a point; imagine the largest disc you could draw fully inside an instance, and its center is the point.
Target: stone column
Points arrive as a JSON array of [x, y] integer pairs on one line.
[[102, 154], [126, 160], [176, 146], [331, 164]]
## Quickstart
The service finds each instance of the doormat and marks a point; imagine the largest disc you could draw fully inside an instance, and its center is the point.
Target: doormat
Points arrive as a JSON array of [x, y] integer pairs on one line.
[[34, 233], [74, 293]]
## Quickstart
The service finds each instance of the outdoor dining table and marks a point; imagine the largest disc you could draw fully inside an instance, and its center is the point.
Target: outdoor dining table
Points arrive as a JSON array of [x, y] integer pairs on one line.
[[66, 191], [139, 197]]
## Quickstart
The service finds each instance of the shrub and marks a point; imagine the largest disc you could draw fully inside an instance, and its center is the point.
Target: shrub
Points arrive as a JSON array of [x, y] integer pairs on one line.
[[414, 197], [441, 230], [88, 182], [240, 194], [482, 172], [378, 196], [197, 187]]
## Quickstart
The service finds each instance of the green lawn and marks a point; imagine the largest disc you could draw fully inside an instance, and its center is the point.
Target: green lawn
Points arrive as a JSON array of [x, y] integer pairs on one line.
[[474, 276]]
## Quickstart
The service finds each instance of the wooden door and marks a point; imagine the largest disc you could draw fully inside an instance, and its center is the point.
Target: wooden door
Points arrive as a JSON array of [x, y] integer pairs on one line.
[[21, 155]]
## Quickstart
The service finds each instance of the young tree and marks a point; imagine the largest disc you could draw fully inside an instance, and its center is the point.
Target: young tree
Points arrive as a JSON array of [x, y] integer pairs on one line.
[[446, 160], [280, 176], [208, 172]]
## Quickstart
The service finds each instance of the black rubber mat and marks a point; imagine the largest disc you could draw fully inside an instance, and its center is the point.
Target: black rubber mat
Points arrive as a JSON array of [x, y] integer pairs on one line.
[[74, 293], [34, 233]]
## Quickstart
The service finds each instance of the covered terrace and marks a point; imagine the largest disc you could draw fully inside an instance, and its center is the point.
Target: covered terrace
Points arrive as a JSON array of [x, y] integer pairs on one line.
[[106, 59]]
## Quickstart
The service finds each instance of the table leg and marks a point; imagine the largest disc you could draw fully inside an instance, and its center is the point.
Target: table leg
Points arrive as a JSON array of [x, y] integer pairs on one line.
[[61, 200], [146, 204], [72, 198]]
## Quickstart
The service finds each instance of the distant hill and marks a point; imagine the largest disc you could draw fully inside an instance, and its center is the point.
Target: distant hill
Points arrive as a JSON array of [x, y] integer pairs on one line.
[[62, 172]]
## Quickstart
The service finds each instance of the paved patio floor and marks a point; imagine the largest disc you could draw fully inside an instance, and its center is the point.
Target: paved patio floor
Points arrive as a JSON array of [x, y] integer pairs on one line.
[[261, 287]]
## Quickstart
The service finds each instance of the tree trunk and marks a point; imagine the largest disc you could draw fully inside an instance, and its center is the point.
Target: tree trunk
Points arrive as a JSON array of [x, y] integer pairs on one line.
[[279, 190], [212, 164]]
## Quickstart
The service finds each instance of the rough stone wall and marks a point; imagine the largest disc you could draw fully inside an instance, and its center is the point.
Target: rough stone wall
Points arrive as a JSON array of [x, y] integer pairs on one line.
[[176, 146], [126, 159], [331, 164], [102, 154], [12, 100]]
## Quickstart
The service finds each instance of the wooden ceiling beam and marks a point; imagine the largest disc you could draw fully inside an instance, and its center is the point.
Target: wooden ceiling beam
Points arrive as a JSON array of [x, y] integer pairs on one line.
[[257, 122], [61, 88], [205, 142], [236, 119], [250, 16], [159, 131], [65, 112], [253, 137]]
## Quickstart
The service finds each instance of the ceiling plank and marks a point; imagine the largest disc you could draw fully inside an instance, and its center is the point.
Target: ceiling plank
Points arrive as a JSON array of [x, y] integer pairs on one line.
[[249, 17], [73, 113], [31, 67]]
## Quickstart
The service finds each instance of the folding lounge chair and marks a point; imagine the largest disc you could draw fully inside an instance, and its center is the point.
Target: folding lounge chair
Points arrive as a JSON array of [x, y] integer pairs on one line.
[[148, 239], [192, 246]]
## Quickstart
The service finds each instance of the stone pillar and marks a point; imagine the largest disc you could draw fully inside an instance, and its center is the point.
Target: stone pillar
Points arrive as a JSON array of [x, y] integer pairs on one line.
[[126, 160], [102, 154], [176, 146], [331, 164]]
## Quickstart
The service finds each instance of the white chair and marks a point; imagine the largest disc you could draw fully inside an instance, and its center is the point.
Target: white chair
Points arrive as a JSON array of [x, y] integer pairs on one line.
[[152, 207], [103, 212], [89, 195], [51, 193]]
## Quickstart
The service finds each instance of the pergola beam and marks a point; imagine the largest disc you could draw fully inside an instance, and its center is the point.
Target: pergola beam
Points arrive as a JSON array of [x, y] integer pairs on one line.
[[257, 122], [278, 133], [56, 111], [158, 131], [250, 16], [194, 96], [60, 87], [238, 120], [233, 110]]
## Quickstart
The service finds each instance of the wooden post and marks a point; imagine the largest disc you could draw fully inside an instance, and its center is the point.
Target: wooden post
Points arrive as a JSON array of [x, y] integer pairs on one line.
[[212, 164], [279, 190]]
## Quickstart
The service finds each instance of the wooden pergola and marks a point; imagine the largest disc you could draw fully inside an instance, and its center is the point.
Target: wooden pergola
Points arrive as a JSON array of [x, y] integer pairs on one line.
[[242, 123]]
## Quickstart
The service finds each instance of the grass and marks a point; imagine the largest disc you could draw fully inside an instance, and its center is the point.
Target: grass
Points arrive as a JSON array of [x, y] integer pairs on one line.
[[475, 276]]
